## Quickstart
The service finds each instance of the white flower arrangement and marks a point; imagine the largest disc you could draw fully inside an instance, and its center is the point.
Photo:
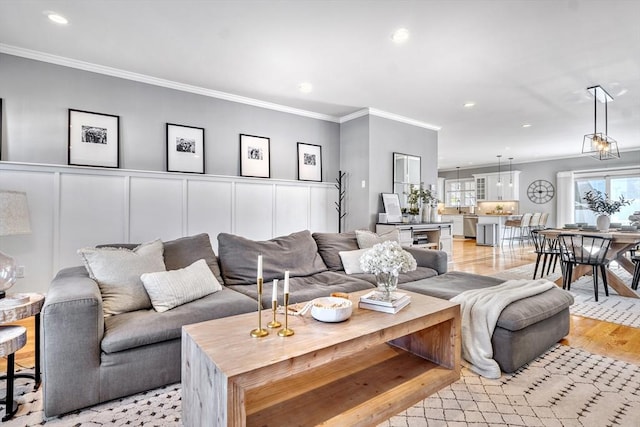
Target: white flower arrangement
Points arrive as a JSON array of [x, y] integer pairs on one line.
[[387, 257]]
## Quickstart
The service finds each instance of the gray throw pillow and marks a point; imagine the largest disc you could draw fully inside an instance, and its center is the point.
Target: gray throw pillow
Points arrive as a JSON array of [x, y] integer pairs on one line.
[[183, 252], [296, 252], [117, 272], [169, 289], [330, 244], [367, 239]]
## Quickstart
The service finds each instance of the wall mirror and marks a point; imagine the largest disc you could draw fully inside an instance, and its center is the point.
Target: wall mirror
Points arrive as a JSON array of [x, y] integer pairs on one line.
[[406, 173]]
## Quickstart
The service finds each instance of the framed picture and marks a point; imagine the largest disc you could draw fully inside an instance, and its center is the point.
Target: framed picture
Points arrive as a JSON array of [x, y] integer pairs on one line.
[[309, 162], [185, 149], [94, 139], [255, 158], [391, 203]]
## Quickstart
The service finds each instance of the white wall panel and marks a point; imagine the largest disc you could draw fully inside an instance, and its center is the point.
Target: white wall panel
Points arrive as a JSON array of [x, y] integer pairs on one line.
[[324, 217], [292, 209], [155, 209], [91, 212], [209, 209], [32, 251], [254, 210]]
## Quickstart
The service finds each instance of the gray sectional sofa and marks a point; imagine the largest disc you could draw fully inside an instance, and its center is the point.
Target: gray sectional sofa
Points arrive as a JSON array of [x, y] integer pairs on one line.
[[88, 358]]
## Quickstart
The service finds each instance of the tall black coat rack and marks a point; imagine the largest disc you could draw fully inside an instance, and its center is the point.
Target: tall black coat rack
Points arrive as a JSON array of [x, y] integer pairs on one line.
[[340, 185]]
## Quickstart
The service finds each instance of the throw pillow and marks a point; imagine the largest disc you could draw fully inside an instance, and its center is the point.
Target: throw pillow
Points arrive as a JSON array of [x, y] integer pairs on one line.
[[367, 239], [351, 260], [329, 244], [183, 252], [169, 289], [117, 272], [296, 252]]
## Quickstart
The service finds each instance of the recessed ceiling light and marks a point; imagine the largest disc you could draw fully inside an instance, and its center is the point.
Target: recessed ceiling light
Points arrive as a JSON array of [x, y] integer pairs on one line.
[[400, 35], [305, 87], [57, 18], [526, 125], [469, 104]]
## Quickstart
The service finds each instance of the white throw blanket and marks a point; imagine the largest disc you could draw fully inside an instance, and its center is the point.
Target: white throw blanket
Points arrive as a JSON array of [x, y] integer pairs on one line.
[[480, 310]]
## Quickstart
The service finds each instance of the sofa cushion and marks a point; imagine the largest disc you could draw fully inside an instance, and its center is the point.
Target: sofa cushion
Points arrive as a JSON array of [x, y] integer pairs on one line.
[[143, 327], [182, 252], [330, 244], [296, 252], [410, 276], [117, 272], [351, 260], [367, 239], [169, 289], [309, 287]]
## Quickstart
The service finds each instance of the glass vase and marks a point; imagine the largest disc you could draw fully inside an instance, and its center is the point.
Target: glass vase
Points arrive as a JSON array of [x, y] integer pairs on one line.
[[387, 284]]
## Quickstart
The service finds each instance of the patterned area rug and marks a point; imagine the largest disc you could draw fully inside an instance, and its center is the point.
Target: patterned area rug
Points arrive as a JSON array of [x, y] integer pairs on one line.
[[563, 387], [614, 308]]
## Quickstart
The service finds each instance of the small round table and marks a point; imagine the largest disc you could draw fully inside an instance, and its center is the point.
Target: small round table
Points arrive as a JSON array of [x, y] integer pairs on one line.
[[20, 306], [12, 339]]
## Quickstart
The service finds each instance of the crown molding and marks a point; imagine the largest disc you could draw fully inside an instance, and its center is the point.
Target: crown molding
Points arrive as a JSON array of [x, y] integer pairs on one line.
[[143, 78], [389, 116]]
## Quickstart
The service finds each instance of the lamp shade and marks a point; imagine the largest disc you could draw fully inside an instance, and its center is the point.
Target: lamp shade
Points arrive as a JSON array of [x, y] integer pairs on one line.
[[14, 213]]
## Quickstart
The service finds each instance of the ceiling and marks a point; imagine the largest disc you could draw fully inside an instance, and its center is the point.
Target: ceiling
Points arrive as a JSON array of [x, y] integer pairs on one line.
[[519, 61]]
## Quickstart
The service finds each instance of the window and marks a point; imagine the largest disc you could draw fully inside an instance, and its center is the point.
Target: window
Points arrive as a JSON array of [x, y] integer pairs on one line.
[[615, 184]]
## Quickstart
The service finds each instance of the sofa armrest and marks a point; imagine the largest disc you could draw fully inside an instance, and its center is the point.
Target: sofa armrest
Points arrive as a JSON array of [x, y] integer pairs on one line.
[[429, 258], [72, 324]]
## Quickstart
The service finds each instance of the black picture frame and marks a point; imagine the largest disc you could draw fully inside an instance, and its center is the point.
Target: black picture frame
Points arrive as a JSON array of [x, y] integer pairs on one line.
[[309, 162], [94, 139], [255, 156], [185, 148]]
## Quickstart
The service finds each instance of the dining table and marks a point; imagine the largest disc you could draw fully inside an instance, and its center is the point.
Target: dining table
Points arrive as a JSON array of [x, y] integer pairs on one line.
[[621, 242]]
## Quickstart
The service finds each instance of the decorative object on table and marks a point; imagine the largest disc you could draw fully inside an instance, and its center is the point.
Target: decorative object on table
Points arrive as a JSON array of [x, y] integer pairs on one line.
[[255, 156], [331, 309], [286, 332], [94, 139], [600, 145], [341, 197], [274, 306], [387, 260], [259, 332], [540, 191], [635, 218], [420, 202], [391, 203], [375, 301], [14, 219], [185, 148], [600, 203], [309, 162]]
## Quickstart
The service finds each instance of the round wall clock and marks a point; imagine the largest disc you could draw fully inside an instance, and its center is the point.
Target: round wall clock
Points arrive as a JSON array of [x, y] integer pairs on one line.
[[540, 191]]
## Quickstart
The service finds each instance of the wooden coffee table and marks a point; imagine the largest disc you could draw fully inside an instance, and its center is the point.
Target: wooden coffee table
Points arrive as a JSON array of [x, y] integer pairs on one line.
[[358, 372]]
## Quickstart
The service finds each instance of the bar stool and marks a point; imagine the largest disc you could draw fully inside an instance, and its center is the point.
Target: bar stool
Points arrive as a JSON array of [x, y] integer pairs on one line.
[[511, 225], [12, 339]]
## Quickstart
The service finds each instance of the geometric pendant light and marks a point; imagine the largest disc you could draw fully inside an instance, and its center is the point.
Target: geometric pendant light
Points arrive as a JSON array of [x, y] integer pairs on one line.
[[600, 145]]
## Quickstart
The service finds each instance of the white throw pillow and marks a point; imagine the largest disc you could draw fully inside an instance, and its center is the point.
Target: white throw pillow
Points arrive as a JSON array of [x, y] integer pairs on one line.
[[117, 272], [367, 239], [169, 289], [351, 260]]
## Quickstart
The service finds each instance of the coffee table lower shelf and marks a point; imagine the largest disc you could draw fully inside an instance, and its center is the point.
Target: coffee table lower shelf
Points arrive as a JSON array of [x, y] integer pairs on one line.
[[365, 389]]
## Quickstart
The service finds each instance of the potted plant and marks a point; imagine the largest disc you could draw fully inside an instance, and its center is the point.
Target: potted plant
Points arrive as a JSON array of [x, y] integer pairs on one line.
[[601, 205], [417, 197]]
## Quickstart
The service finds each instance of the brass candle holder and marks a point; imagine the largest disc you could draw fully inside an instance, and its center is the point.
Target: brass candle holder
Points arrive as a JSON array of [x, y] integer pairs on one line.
[[274, 323], [260, 332], [286, 332]]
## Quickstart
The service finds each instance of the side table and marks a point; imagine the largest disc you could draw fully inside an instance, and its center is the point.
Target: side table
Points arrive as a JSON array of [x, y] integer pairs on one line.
[[12, 339], [21, 306]]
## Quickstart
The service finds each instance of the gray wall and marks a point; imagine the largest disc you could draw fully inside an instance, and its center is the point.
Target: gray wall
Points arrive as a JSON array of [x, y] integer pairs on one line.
[[366, 154], [37, 95], [547, 170]]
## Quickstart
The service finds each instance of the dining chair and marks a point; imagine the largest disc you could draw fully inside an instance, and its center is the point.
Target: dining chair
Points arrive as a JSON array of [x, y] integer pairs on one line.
[[581, 249], [546, 249], [635, 258]]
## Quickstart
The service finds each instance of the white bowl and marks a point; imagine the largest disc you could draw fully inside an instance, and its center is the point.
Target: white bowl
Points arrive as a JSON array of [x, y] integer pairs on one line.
[[331, 309]]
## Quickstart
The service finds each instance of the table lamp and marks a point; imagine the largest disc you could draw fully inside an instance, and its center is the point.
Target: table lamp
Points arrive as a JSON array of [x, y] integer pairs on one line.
[[14, 219]]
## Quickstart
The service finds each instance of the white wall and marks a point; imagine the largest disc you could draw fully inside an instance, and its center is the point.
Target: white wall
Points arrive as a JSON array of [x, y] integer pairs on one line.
[[74, 207]]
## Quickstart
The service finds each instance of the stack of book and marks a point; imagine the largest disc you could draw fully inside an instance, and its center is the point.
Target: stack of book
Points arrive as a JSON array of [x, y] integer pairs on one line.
[[374, 301]]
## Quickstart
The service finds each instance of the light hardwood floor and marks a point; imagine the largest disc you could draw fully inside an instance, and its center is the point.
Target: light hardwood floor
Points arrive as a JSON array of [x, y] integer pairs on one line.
[[609, 339]]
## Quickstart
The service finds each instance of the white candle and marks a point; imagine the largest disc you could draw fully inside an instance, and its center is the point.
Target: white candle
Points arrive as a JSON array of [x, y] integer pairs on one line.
[[259, 266], [286, 282], [274, 296]]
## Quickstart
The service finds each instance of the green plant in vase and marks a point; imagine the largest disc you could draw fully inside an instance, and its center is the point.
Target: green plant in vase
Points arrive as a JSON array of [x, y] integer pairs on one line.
[[600, 204]]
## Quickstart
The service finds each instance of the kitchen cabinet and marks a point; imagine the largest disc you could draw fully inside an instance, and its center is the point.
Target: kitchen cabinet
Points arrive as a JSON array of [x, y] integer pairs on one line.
[[427, 235], [496, 187], [457, 222]]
